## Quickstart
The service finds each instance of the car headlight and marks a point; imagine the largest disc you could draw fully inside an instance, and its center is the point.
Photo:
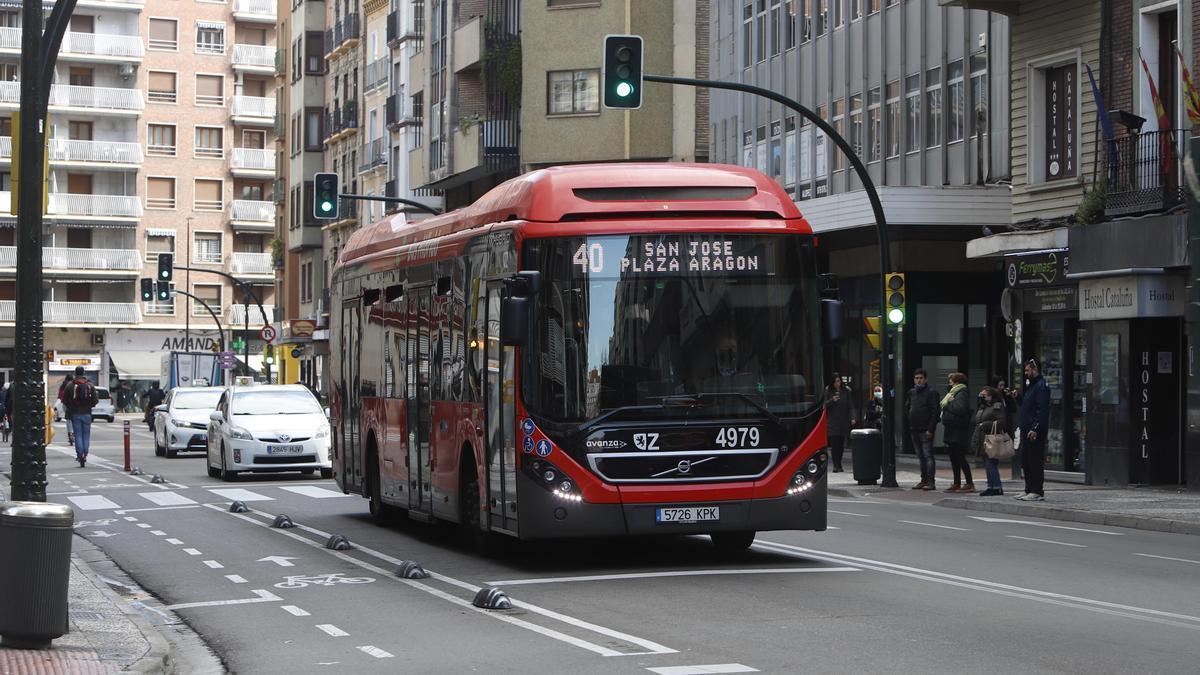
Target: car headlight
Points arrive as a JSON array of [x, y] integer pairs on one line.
[[323, 432], [240, 434], [178, 422]]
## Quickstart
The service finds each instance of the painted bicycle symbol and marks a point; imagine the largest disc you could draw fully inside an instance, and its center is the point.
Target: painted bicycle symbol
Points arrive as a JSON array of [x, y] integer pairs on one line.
[[302, 581], [96, 523]]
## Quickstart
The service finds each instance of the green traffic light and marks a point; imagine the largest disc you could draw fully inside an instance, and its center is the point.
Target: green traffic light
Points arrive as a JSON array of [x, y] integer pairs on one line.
[[896, 315], [624, 89], [326, 205]]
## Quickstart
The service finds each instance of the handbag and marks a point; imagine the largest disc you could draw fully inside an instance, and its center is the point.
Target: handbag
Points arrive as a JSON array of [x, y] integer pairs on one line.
[[998, 446]]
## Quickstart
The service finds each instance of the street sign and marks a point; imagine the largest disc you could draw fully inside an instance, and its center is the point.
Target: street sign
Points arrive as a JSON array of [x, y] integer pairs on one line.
[[267, 333], [297, 352], [228, 360]]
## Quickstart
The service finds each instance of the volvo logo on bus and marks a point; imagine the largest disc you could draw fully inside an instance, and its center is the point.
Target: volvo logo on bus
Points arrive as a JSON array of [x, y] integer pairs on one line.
[[684, 466]]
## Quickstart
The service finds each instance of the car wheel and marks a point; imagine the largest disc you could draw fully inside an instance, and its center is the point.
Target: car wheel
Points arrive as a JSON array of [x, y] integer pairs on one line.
[[159, 450], [226, 474], [213, 472], [172, 454], [732, 541], [327, 473]]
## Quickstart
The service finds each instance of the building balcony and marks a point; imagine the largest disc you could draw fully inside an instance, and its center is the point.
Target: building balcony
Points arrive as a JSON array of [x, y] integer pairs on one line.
[[252, 266], [468, 45], [98, 207], [247, 215], [93, 314], [237, 315], [254, 11], [254, 110], [399, 30], [102, 47], [279, 194], [94, 100], [1144, 173], [80, 262], [252, 163], [343, 37], [254, 59], [398, 112], [1008, 7], [281, 62], [376, 74], [374, 155], [85, 154], [341, 122], [114, 5]]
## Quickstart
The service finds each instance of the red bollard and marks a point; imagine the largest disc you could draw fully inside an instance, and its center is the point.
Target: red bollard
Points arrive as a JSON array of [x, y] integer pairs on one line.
[[128, 468]]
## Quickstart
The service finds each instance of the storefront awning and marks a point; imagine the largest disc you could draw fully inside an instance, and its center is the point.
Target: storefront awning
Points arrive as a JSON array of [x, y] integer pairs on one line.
[[137, 365]]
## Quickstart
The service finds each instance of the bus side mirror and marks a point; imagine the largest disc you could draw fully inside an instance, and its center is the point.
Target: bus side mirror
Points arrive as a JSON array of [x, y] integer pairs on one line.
[[833, 321], [514, 321]]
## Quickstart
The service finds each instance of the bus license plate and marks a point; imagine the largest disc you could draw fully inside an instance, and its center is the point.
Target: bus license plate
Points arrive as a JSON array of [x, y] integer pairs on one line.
[[688, 514], [285, 449]]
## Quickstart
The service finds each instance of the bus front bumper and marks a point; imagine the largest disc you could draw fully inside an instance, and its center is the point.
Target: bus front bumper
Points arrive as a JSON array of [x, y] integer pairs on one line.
[[544, 516]]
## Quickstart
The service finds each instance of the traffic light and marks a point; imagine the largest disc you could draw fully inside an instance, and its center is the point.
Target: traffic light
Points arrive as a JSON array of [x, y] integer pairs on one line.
[[269, 354], [871, 332], [163, 291], [166, 266], [147, 290], [622, 74], [897, 304], [325, 195]]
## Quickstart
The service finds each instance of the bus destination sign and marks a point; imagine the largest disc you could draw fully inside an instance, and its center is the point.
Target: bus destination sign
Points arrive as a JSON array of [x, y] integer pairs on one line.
[[633, 256]]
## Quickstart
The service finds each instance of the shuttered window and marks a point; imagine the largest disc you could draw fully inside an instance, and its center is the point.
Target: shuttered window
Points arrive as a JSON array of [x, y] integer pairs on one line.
[[210, 90], [208, 195], [162, 87], [164, 35], [160, 192]]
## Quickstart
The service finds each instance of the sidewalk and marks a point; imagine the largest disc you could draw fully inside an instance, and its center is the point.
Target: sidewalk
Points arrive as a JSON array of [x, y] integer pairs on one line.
[[1159, 509], [107, 635]]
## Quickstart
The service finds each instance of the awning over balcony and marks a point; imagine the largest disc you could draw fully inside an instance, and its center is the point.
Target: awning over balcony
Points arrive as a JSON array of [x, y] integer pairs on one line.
[[137, 365]]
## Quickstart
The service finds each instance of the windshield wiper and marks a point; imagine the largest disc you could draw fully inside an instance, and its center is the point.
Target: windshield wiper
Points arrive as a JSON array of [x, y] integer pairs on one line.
[[595, 421], [697, 399]]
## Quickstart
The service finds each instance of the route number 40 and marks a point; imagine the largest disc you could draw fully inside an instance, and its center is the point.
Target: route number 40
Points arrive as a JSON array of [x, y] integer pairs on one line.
[[738, 437], [589, 258]]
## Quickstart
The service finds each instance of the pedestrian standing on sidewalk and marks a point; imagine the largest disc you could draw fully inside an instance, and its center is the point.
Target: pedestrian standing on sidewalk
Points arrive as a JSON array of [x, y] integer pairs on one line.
[[1035, 422], [80, 397], [991, 414], [922, 422], [839, 417], [956, 424]]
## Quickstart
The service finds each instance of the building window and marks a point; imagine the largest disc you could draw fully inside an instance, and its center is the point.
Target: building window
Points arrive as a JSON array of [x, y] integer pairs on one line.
[[206, 247], [210, 142], [208, 195], [160, 192], [163, 35], [210, 90], [209, 294], [839, 125], [789, 151], [874, 6], [776, 25], [314, 52], [874, 125], [158, 307], [856, 7], [839, 18], [210, 37], [314, 129], [892, 115], [573, 91], [789, 24], [819, 17], [806, 24], [760, 32], [159, 241], [748, 33], [160, 140], [162, 88], [912, 113], [954, 90], [933, 107], [979, 92], [856, 124], [306, 281]]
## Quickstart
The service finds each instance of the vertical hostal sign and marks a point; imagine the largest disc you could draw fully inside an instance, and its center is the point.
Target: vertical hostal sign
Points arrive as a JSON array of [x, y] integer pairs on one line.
[[1060, 122]]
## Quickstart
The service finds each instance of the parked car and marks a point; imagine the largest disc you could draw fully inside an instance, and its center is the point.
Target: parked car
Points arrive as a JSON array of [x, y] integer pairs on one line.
[[279, 427], [104, 410], [181, 422]]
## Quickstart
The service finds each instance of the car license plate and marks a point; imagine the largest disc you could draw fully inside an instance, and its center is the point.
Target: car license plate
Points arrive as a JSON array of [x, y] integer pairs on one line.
[[285, 449], [688, 514]]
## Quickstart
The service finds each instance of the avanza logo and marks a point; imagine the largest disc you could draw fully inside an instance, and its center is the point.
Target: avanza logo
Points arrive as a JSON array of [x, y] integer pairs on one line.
[[645, 441], [614, 444]]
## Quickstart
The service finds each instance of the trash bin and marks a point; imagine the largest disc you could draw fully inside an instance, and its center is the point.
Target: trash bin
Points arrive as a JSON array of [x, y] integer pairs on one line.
[[867, 448], [35, 570]]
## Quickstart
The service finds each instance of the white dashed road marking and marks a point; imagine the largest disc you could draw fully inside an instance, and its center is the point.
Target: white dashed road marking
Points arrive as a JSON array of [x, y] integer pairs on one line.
[[313, 491], [191, 551], [332, 629], [175, 542], [240, 495], [235, 578], [214, 564], [158, 533], [166, 498], [294, 610], [145, 526], [94, 503], [1046, 541], [1163, 557], [703, 670], [655, 575], [944, 527], [376, 652]]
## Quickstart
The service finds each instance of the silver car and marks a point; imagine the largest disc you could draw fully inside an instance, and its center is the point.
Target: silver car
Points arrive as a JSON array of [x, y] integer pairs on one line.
[[181, 422], [279, 427]]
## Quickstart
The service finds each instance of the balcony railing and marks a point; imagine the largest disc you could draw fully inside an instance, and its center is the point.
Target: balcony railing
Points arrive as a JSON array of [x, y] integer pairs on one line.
[[1143, 173], [237, 315], [10, 38], [99, 44], [376, 74], [396, 32], [115, 259], [65, 95], [254, 56], [254, 106], [79, 312], [254, 9], [99, 206], [254, 211], [374, 154], [250, 263], [99, 152], [253, 158], [340, 119], [346, 29]]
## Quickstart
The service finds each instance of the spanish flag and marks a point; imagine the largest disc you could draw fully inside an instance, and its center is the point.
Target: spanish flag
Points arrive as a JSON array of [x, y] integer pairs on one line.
[[1190, 97], [1164, 122]]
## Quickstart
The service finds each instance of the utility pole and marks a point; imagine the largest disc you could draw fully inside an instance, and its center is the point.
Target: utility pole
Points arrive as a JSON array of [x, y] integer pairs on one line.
[[1191, 441], [39, 52]]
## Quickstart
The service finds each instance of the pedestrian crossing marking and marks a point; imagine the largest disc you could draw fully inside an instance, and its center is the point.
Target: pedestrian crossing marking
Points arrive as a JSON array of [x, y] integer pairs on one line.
[[93, 503], [240, 494], [313, 491], [166, 498]]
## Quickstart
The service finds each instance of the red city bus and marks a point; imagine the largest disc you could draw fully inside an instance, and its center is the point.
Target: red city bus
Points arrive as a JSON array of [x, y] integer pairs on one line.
[[587, 350]]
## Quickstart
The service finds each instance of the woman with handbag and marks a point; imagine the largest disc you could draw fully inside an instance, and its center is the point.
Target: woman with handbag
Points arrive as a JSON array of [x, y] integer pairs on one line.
[[991, 439]]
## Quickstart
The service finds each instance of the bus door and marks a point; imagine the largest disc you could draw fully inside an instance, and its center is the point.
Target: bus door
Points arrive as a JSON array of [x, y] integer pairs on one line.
[[420, 327], [501, 421], [351, 400]]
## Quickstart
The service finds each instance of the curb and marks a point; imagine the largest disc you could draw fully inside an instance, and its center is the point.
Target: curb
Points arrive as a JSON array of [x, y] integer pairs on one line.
[[158, 658], [1074, 515]]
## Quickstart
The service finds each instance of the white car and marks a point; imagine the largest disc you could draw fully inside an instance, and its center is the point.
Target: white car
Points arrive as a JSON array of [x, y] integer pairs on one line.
[[104, 409], [274, 427], [181, 422]]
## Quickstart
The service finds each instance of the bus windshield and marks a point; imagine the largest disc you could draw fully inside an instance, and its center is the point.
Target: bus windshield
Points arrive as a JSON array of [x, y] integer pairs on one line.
[[627, 320]]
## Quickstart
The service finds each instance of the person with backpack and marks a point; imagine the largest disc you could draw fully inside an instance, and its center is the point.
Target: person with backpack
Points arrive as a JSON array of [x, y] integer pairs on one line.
[[79, 397]]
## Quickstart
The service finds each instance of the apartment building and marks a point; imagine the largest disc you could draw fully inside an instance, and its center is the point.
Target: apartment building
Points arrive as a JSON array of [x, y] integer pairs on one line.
[[921, 93], [159, 117]]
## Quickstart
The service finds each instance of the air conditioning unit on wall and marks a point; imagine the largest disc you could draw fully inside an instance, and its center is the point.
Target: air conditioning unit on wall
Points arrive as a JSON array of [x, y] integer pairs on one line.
[[98, 339]]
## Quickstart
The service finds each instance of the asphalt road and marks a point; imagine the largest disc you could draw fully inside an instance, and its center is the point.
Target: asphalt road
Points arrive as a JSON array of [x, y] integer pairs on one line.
[[899, 586]]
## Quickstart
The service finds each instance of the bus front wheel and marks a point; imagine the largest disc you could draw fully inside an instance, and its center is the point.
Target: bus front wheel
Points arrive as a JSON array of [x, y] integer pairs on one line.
[[732, 541], [470, 517]]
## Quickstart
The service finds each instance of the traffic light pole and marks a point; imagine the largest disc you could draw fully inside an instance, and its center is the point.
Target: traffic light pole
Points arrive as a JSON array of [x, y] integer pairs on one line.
[[27, 399], [220, 331], [247, 293], [886, 366]]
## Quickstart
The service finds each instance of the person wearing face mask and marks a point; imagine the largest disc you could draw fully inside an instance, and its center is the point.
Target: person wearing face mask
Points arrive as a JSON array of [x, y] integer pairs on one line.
[[839, 417]]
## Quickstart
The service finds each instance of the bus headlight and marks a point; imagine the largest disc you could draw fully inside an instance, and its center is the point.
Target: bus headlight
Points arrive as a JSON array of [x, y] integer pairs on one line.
[[800, 484]]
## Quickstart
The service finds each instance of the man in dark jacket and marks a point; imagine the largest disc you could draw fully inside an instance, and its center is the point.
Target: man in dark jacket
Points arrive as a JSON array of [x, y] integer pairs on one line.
[[79, 397], [922, 421], [1035, 423]]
